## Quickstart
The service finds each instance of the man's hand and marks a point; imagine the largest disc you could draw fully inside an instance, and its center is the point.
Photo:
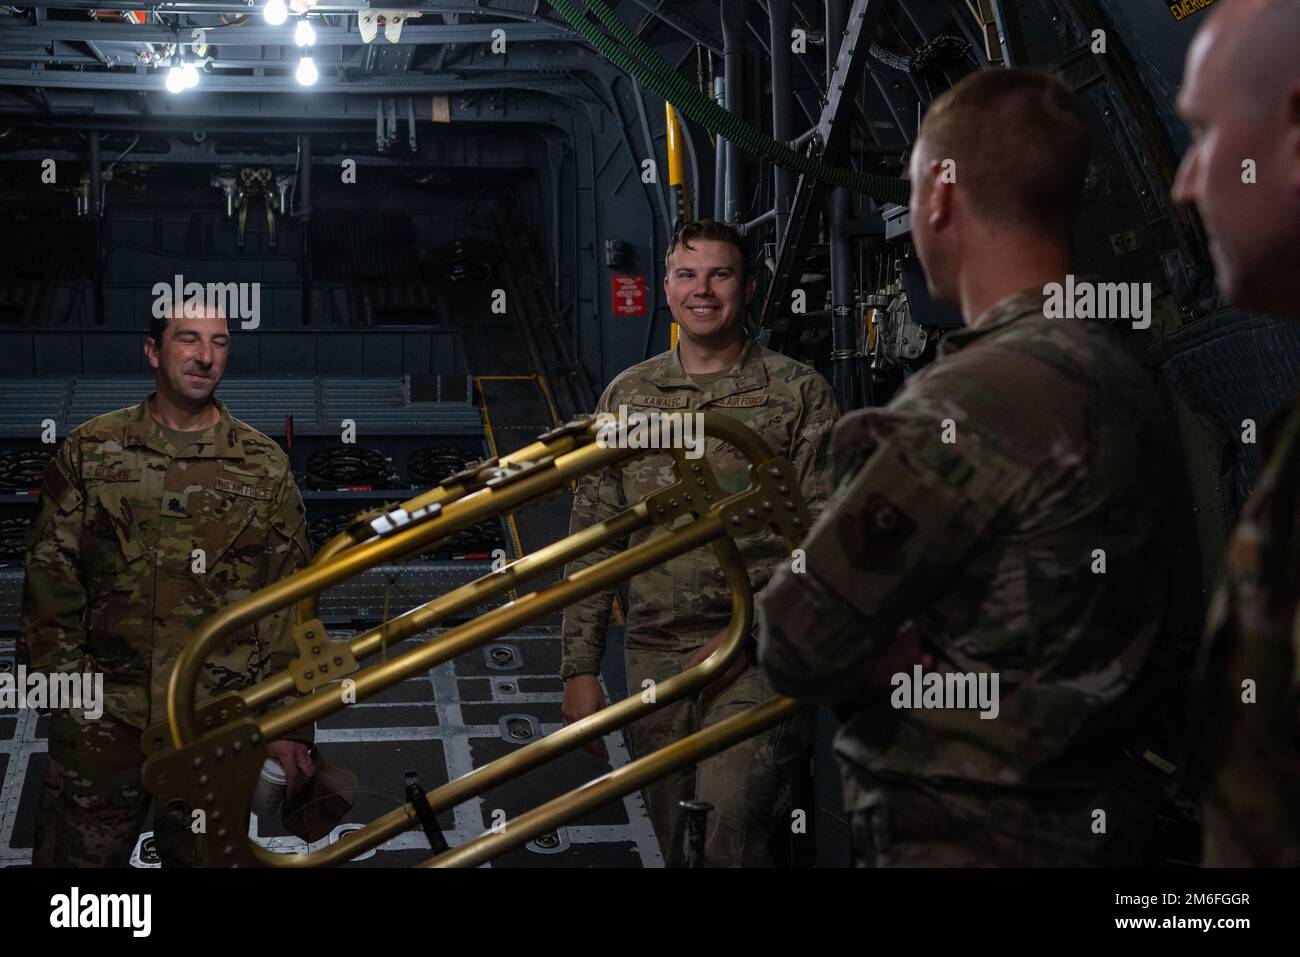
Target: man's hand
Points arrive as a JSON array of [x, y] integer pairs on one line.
[[743, 661], [295, 760], [900, 656], [583, 698]]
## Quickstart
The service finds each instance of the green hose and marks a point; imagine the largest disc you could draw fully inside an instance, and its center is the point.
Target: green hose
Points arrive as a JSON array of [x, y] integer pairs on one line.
[[655, 74]]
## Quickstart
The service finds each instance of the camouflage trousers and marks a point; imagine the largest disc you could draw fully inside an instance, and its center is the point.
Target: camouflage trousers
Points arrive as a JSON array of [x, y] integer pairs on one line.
[[918, 827], [741, 782], [93, 804], [1225, 845]]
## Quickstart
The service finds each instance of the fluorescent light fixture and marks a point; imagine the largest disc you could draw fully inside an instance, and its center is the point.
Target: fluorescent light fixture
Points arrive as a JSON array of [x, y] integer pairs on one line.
[[175, 81], [190, 74], [275, 12], [306, 73], [303, 34]]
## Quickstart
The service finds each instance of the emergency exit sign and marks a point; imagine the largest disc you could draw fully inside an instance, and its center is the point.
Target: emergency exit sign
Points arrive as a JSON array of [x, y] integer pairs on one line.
[[628, 295], [1181, 9]]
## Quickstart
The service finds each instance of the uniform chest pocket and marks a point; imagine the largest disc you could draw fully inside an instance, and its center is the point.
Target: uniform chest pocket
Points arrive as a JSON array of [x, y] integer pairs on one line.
[[773, 425], [113, 523], [649, 431], [767, 422], [758, 412], [222, 522]]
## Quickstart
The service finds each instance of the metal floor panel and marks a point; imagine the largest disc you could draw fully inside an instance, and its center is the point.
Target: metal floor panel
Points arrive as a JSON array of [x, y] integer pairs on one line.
[[413, 583], [442, 724]]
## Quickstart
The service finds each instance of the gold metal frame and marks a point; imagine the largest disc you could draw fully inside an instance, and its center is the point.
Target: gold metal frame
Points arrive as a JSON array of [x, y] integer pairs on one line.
[[209, 754]]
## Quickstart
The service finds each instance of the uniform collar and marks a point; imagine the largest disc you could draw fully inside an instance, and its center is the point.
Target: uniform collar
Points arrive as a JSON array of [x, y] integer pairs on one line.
[[1002, 313], [142, 429], [747, 375]]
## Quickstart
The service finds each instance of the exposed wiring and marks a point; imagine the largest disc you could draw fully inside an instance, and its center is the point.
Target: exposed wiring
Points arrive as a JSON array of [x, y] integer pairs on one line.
[[132, 146], [630, 54]]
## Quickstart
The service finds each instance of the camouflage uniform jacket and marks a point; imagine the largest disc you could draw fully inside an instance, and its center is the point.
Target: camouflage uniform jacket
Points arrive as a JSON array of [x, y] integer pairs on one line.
[[973, 505], [680, 605], [1248, 755], [112, 584]]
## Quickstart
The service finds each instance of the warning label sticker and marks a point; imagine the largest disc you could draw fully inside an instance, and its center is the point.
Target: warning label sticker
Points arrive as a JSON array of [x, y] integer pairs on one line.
[[628, 295]]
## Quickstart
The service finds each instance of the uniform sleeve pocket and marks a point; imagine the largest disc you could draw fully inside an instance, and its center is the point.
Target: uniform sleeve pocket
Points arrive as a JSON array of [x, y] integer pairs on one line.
[[60, 490], [287, 525]]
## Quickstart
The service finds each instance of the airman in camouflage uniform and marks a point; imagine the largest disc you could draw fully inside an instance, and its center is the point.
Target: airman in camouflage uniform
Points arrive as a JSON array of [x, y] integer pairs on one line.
[[1009, 503], [989, 545], [675, 609], [1245, 755], [142, 533]]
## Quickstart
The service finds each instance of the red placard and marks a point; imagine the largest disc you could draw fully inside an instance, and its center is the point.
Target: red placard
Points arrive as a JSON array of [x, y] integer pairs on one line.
[[628, 295]]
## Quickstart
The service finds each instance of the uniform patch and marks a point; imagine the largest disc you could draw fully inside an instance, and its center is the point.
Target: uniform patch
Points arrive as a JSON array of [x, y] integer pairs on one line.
[[55, 482], [111, 475], [660, 401], [242, 488], [740, 401], [873, 535]]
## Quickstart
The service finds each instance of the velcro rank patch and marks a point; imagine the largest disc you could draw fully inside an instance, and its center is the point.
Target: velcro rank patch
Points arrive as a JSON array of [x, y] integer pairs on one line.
[[874, 535], [242, 488], [106, 474], [740, 401], [660, 401]]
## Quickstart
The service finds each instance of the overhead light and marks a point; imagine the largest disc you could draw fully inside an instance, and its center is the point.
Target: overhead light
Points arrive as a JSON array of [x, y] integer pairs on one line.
[[303, 34], [175, 81], [190, 74], [275, 12], [306, 72]]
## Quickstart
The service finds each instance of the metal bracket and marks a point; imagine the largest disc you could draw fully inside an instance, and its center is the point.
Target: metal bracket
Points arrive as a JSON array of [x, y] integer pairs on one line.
[[212, 713], [320, 660], [216, 776], [777, 503], [471, 477], [227, 186], [694, 493], [572, 427], [368, 23], [510, 472], [387, 521]]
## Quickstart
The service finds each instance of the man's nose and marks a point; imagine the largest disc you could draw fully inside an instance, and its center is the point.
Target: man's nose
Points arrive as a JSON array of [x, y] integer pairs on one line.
[[1182, 191]]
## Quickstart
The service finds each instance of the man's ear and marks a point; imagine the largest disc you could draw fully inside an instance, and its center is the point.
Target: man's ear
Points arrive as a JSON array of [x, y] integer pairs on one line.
[[151, 352], [941, 195], [750, 285]]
